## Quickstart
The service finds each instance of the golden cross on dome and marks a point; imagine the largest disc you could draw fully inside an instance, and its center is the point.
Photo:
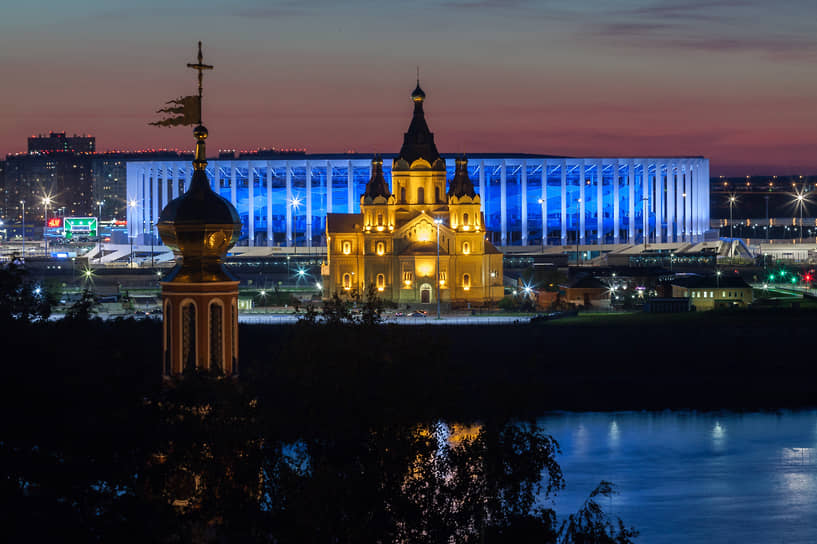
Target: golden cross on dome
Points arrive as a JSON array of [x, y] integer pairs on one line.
[[200, 66]]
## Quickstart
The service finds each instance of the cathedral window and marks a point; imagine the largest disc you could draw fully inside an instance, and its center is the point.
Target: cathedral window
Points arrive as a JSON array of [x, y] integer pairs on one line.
[[465, 219], [421, 196], [381, 282], [443, 277], [380, 219], [466, 282], [436, 194], [189, 335], [380, 248], [408, 277], [216, 340], [347, 281], [346, 247], [466, 248], [403, 194]]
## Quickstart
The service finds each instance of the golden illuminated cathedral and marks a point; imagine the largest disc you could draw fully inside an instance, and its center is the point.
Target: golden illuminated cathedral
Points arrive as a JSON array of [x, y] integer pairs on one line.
[[401, 234]]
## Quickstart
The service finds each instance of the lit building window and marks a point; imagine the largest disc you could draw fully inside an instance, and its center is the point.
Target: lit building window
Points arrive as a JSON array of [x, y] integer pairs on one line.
[[380, 248], [381, 282], [408, 277], [466, 248], [443, 277], [380, 219], [465, 219], [466, 282], [347, 281], [346, 247]]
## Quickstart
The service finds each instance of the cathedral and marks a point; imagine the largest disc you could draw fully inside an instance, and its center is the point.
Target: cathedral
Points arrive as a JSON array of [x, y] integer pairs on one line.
[[415, 242]]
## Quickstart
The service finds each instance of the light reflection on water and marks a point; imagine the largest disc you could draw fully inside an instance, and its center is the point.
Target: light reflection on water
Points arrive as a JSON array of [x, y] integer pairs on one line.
[[696, 477]]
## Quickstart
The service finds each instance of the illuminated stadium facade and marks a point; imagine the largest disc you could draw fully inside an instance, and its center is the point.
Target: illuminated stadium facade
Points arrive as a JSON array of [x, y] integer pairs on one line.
[[284, 201]]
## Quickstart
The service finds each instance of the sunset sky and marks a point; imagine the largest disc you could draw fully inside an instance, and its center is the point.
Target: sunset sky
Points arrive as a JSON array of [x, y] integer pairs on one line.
[[733, 80]]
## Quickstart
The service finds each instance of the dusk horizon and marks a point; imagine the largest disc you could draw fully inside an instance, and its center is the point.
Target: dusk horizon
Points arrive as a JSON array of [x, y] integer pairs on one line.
[[643, 79]]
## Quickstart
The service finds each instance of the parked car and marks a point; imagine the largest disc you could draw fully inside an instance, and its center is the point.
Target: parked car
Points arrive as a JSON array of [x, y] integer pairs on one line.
[[399, 314], [418, 313]]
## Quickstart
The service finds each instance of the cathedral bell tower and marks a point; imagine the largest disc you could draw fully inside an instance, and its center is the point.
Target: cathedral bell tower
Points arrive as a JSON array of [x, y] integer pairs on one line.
[[199, 296]]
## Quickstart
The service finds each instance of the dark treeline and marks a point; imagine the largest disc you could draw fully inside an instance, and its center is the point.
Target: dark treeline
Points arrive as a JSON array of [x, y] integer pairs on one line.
[[352, 433]]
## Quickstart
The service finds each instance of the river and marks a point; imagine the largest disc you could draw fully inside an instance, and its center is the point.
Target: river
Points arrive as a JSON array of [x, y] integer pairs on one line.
[[695, 477]]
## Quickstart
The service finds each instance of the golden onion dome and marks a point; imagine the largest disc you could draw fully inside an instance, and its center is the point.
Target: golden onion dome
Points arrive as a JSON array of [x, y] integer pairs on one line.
[[200, 226]]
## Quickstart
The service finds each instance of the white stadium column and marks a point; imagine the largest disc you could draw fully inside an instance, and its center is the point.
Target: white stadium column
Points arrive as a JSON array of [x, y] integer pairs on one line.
[[308, 204], [582, 200], [687, 204], [659, 203], [350, 188], [631, 200], [288, 202], [154, 199], [544, 206], [483, 196], [328, 187], [705, 173], [670, 202], [233, 184], [524, 200], [503, 202], [270, 242], [645, 200], [563, 168], [177, 177], [600, 202], [616, 203], [250, 204]]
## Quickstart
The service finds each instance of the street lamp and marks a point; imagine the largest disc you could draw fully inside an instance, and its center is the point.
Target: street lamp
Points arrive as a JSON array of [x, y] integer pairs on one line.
[[438, 222], [132, 206], [295, 203], [731, 226], [23, 202], [544, 223], [46, 203], [800, 202]]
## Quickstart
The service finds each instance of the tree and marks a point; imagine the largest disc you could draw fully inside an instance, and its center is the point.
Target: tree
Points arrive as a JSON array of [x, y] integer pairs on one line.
[[22, 299], [83, 309], [371, 313]]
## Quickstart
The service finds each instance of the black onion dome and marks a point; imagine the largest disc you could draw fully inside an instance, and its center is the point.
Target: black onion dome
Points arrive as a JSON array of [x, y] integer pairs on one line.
[[377, 184], [461, 185], [418, 141], [200, 204]]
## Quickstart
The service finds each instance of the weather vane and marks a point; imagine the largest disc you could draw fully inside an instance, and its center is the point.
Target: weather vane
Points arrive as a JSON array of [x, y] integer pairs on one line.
[[186, 110]]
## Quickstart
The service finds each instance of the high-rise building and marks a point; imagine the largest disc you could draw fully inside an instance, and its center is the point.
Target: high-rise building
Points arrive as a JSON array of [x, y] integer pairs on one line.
[[58, 142]]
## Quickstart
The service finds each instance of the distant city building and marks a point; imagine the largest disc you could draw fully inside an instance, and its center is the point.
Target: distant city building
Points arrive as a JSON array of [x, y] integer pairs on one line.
[[58, 142], [713, 292]]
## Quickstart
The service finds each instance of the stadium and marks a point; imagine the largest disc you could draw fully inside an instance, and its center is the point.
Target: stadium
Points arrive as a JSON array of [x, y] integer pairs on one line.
[[528, 200]]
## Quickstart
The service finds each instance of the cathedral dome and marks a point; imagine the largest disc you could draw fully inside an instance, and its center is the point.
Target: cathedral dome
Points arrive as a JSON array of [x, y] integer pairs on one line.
[[418, 141], [200, 226]]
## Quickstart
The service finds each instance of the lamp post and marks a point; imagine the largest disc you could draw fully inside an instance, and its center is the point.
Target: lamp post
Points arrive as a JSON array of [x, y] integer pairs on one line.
[[731, 227], [544, 223], [99, 204], [46, 203], [132, 206], [799, 201], [439, 287], [578, 222], [295, 203], [23, 202]]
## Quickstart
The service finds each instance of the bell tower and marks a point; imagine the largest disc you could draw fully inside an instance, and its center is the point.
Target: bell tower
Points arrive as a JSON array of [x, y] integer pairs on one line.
[[199, 296]]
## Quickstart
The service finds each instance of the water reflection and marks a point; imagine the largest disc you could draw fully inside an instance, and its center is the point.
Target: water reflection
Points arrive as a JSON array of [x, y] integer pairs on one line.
[[712, 477]]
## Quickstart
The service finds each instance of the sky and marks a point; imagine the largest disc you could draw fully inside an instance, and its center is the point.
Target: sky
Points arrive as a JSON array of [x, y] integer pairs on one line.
[[731, 80]]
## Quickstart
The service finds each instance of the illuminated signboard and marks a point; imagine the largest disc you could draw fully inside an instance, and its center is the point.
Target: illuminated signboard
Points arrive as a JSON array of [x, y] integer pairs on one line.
[[80, 226], [55, 222]]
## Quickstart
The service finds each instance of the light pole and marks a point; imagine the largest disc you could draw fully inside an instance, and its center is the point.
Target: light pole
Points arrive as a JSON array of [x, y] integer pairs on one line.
[[46, 203], [731, 227], [578, 223], [99, 230], [23, 202], [439, 287], [295, 203], [132, 206], [800, 202], [544, 224]]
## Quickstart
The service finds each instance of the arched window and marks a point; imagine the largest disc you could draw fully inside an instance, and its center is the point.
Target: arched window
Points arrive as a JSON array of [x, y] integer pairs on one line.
[[380, 248], [346, 247], [465, 219], [466, 248], [216, 336], [168, 336], [347, 281], [189, 335], [381, 282], [436, 194], [421, 196], [403, 194], [380, 219], [466, 281]]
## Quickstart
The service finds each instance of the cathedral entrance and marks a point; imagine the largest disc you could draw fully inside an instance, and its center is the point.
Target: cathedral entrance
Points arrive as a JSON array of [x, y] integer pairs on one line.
[[425, 293]]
